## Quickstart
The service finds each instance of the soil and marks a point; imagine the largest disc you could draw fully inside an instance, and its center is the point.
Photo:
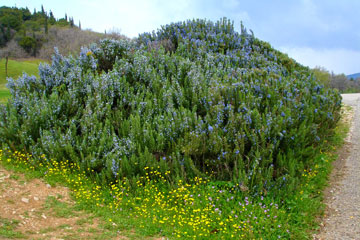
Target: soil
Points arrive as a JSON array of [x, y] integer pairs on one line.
[[33, 209], [342, 197], [40, 211]]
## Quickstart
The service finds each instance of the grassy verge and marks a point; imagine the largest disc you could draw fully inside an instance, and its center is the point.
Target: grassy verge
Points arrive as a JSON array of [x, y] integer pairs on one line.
[[4, 93], [200, 209], [16, 69]]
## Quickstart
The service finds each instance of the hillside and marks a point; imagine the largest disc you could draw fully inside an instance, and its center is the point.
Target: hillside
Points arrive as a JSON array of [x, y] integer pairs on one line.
[[353, 76], [24, 34]]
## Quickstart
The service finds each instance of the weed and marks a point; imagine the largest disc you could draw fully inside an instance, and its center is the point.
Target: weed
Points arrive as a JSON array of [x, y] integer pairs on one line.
[[7, 228]]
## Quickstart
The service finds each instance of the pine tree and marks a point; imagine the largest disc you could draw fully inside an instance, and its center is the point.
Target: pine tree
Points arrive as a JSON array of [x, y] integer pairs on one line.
[[79, 25], [66, 17], [42, 10]]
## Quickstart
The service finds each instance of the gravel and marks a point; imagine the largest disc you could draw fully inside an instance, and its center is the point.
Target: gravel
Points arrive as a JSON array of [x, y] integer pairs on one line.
[[342, 219]]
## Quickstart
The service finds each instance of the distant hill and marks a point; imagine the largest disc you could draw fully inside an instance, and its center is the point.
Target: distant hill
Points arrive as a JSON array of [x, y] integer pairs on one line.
[[353, 76], [25, 34]]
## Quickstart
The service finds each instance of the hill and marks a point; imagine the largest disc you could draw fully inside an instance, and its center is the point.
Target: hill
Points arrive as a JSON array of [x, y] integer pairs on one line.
[[353, 76], [24, 34]]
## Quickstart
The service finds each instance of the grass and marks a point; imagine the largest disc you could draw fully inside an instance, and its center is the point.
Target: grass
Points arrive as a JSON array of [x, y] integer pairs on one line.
[[60, 209], [15, 69], [200, 209], [7, 228], [4, 94]]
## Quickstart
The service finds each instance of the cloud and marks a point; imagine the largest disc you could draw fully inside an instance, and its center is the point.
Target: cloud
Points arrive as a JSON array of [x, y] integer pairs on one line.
[[337, 60]]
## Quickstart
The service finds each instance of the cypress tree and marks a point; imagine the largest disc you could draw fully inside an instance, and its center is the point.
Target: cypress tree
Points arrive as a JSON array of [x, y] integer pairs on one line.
[[46, 24], [51, 18], [8, 33]]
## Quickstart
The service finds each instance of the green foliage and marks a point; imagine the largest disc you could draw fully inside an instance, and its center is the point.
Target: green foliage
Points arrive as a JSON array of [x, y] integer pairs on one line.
[[23, 24], [336, 81], [28, 44], [198, 209], [322, 75], [8, 229], [217, 103]]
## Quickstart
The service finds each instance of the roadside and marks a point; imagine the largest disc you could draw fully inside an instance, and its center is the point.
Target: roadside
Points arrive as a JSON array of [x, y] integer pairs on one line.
[[342, 197]]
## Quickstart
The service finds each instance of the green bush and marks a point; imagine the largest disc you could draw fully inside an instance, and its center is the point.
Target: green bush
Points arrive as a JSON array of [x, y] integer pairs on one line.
[[216, 102], [28, 44]]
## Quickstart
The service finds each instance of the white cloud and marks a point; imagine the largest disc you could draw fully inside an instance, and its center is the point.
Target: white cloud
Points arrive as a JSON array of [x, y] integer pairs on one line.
[[336, 60]]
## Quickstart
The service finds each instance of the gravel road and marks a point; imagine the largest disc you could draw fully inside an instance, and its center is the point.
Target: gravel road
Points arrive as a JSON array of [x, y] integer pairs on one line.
[[342, 220]]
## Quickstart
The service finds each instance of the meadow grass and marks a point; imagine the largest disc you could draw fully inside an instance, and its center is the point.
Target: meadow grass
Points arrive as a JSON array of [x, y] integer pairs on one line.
[[199, 209], [15, 69]]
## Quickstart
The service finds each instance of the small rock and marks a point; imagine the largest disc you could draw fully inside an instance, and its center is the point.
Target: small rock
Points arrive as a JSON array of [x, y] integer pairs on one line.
[[43, 216], [25, 200], [36, 198], [48, 185]]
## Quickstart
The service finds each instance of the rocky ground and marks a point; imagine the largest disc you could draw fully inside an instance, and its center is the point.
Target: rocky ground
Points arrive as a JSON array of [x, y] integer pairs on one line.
[[32, 209]]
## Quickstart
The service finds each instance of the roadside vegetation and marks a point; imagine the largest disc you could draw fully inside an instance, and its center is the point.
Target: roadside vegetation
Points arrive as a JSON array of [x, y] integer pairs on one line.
[[337, 81], [153, 210], [195, 131]]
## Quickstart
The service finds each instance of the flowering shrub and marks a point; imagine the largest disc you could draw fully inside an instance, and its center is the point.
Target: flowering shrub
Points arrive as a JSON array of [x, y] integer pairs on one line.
[[195, 98]]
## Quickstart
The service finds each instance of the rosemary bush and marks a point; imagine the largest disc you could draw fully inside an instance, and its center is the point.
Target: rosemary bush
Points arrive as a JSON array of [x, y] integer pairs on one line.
[[195, 98]]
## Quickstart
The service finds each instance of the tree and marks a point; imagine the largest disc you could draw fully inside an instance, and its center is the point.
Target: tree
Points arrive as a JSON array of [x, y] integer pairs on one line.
[[71, 22], [322, 75], [52, 19], [12, 49], [2, 36], [26, 14], [46, 24], [66, 17], [28, 44], [79, 25]]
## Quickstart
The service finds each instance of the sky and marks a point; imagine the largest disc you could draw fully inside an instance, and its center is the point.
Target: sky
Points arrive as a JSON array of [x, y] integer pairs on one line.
[[321, 33]]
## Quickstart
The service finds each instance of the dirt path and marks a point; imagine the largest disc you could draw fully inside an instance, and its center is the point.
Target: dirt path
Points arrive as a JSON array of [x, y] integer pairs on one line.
[[32, 209], [342, 219]]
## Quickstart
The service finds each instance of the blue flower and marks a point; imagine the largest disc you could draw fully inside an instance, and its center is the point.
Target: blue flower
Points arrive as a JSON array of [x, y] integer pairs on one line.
[[210, 128]]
